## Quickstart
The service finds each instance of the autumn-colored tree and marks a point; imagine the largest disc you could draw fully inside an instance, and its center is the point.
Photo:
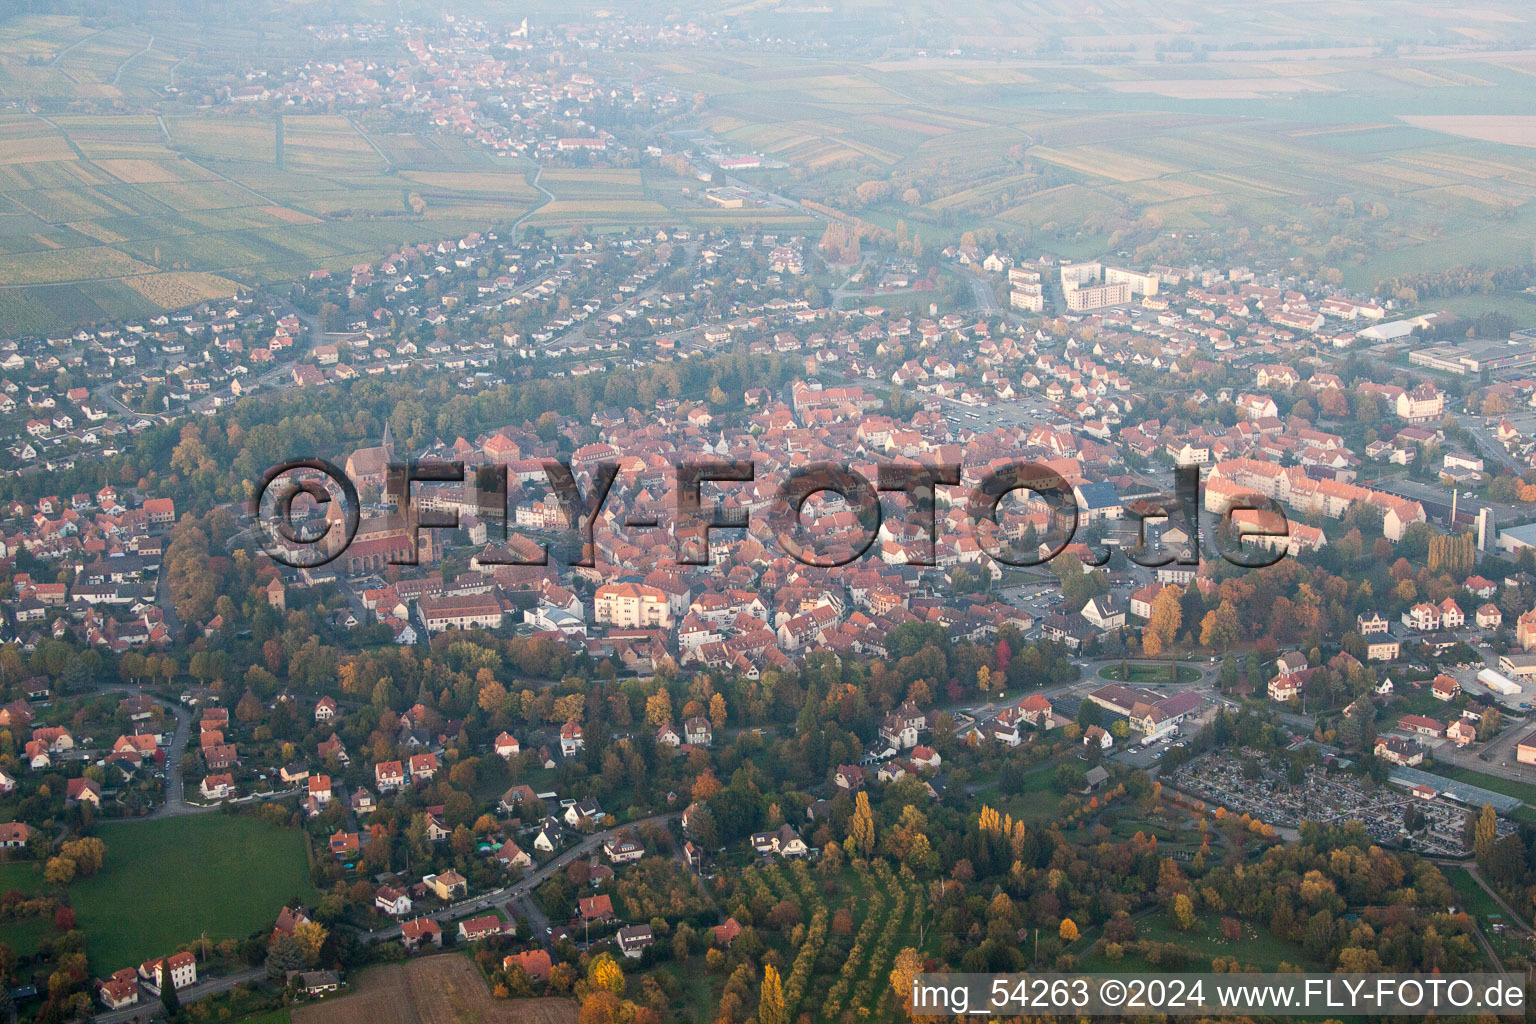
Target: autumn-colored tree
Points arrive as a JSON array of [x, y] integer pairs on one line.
[[1068, 930], [861, 826], [249, 710], [658, 708], [493, 697], [87, 853], [600, 1006], [1221, 627], [908, 966], [705, 786], [604, 973], [1163, 626], [770, 1003], [717, 712], [1182, 912], [310, 936], [59, 871], [1484, 834]]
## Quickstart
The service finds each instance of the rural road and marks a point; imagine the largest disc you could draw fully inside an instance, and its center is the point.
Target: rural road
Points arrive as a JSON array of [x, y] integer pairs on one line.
[[389, 165], [130, 59], [60, 55], [523, 888], [549, 197]]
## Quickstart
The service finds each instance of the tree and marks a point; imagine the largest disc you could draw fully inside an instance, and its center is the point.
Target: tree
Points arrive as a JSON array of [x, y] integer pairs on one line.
[[1163, 626], [249, 709], [283, 955], [601, 1007], [59, 871], [1484, 834], [87, 853], [1068, 930], [170, 1002], [604, 973], [908, 966], [717, 712], [861, 827], [770, 1005], [309, 937], [658, 708], [1182, 912], [1221, 627]]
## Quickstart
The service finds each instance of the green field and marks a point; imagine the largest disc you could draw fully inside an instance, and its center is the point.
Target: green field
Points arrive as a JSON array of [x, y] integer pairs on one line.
[[21, 874], [1204, 943], [1140, 672], [1476, 900], [168, 881]]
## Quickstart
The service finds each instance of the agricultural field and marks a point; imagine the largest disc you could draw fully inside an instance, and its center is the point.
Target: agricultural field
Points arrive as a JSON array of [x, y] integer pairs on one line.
[[106, 216], [259, 867], [446, 989], [1434, 159]]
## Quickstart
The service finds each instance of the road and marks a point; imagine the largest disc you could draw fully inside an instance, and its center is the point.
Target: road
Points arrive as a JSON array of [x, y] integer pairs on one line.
[[986, 297], [549, 197], [1489, 446], [521, 889], [389, 165], [130, 59], [167, 607], [60, 55], [146, 1010], [175, 805]]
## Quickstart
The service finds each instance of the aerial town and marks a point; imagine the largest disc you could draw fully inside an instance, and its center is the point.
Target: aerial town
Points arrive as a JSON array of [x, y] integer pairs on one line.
[[1163, 597]]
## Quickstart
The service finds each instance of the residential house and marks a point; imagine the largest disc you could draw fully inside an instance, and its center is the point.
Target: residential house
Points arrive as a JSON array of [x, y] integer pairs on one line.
[[536, 963], [392, 901], [421, 930], [634, 938], [447, 885], [478, 928]]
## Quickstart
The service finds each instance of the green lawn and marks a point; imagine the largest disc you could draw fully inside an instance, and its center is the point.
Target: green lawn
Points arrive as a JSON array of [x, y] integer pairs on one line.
[[1203, 943], [1137, 672], [1034, 800], [23, 936], [1475, 899], [166, 882], [21, 874]]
